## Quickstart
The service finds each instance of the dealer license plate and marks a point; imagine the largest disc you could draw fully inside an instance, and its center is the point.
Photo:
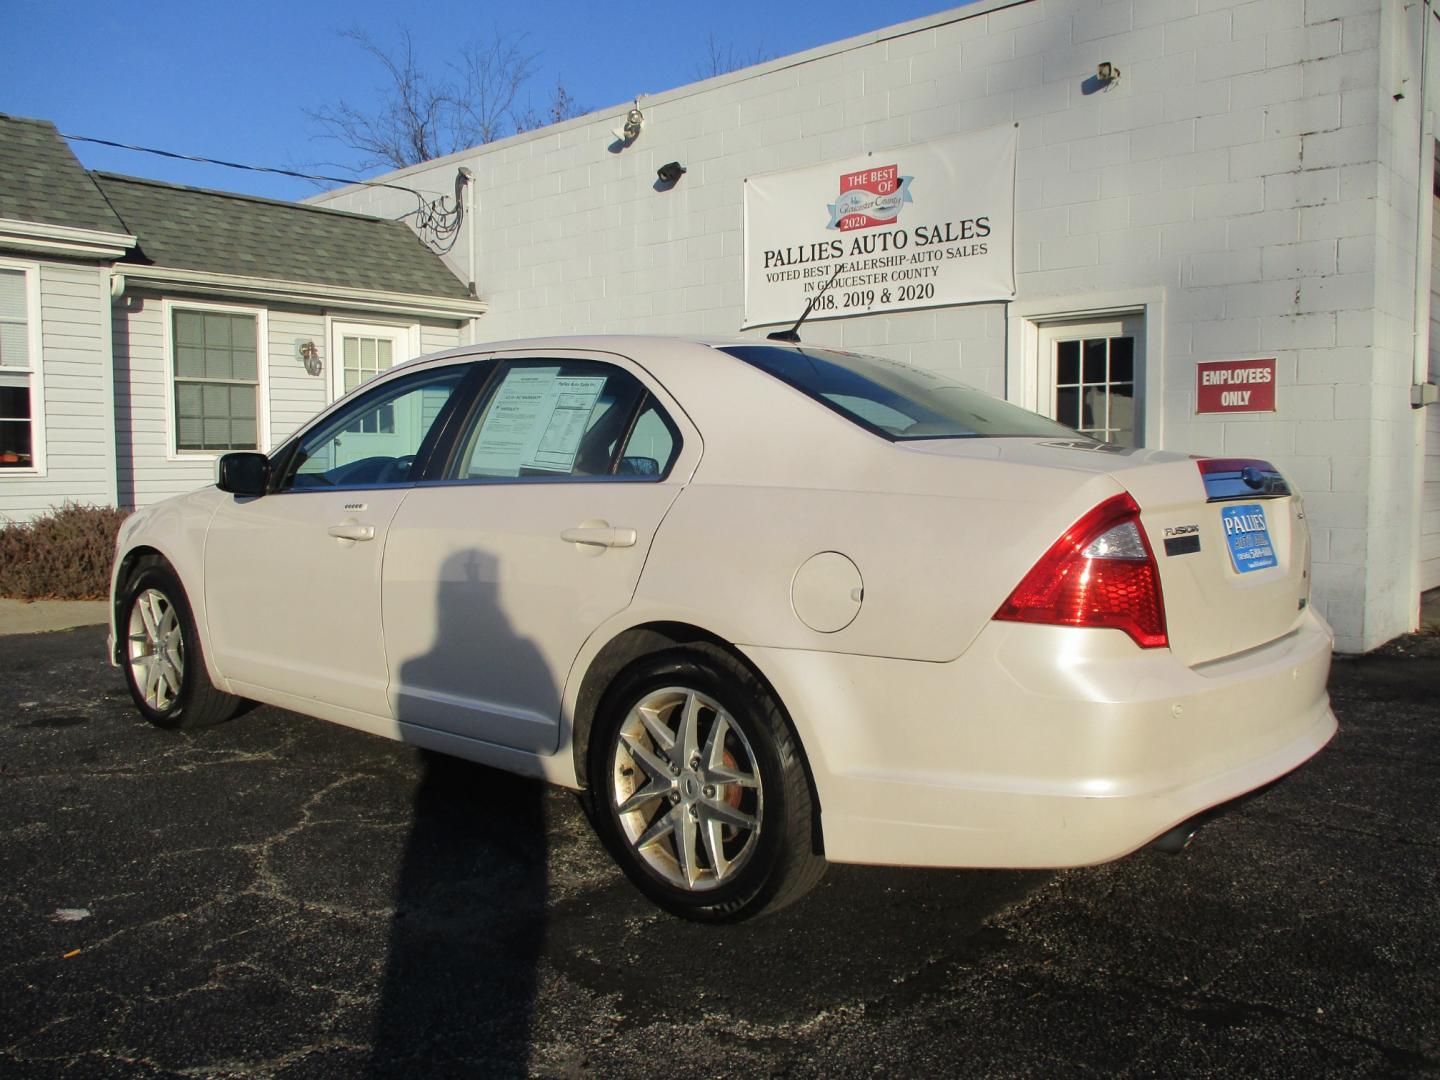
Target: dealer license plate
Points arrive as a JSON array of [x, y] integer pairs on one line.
[[1248, 536]]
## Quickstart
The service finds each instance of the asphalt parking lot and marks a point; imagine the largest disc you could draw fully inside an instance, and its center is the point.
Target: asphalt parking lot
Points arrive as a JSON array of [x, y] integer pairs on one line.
[[280, 897]]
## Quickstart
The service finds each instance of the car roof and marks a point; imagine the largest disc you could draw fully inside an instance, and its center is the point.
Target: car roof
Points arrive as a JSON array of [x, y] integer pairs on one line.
[[644, 348]]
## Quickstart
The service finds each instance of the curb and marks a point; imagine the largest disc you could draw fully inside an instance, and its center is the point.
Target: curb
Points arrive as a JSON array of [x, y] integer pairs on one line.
[[40, 616]]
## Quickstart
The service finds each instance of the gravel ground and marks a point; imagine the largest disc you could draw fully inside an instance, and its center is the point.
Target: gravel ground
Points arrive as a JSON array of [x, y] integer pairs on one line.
[[281, 897]]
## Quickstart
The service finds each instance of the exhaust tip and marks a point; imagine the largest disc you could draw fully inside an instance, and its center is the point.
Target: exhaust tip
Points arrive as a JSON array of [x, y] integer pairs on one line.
[[1177, 839], [1180, 836]]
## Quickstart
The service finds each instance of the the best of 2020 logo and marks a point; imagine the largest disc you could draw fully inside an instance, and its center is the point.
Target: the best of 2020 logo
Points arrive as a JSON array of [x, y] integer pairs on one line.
[[869, 198]]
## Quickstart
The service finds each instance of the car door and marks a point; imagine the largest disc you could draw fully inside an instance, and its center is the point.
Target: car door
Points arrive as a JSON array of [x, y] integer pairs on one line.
[[496, 575], [292, 579]]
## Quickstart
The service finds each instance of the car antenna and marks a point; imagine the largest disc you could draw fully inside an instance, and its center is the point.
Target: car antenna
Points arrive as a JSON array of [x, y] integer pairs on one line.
[[793, 334]]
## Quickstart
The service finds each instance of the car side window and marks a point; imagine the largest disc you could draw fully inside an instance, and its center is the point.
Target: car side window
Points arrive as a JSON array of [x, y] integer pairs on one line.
[[375, 440], [651, 446], [563, 418]]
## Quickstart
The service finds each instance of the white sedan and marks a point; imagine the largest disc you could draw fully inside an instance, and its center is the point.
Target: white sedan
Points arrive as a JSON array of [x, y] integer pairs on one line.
[[764, 605]]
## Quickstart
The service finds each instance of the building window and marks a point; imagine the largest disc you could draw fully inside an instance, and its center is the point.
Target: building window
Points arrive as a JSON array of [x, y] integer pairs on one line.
[[1095, 387], [1093, 375], [216, 380], [1091, 360], [365, 357], [363, 351], [19, 440]]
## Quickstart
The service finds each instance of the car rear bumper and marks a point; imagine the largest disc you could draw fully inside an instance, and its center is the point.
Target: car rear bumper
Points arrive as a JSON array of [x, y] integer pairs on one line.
[[1044, 746]]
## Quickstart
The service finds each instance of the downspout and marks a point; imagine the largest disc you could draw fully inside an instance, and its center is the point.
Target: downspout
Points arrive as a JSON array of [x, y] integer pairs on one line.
[[472, 206], [1424, 260], [1424, 206]]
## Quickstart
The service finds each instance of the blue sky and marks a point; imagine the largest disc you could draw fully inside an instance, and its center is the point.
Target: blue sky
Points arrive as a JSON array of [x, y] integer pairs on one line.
[[233, 80]]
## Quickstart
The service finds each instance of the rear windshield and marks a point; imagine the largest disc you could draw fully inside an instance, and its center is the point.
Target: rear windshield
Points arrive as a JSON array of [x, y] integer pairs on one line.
[[896, 400]]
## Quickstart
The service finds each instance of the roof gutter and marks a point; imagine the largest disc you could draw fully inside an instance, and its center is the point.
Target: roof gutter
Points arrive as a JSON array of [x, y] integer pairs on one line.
[[205, 283], [49, 239]]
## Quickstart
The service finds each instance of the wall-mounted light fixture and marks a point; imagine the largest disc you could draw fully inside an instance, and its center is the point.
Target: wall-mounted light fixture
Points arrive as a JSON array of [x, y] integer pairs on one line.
[[309, 354], [1106, 72], [630, 130], [670, 172]]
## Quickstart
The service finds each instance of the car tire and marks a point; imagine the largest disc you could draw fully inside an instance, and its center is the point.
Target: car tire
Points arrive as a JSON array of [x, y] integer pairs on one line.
[[697, 786], [161, 653]]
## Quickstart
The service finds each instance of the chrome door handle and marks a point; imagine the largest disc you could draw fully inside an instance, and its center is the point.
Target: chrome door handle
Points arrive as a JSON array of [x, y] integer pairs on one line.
[[599, 535], [352, 532]]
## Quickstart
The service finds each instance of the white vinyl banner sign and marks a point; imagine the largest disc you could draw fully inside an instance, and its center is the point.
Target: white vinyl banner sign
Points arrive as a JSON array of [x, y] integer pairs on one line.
[[920, 226]]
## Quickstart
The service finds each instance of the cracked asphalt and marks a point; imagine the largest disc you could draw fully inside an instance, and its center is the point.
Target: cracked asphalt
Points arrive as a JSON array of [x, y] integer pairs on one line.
[[279, 897]]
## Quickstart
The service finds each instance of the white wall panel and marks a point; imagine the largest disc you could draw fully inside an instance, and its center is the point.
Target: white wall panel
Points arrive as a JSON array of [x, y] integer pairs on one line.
[[1251, 162]]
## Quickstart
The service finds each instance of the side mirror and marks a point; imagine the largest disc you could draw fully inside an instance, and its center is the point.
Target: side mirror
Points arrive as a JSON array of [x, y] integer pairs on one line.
[[243, 473], [638, 466]]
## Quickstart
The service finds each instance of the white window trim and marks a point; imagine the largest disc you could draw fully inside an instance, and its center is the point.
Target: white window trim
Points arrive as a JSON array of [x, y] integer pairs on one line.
[[36, 369], [168, 308], [1025, 382], [337, 325]]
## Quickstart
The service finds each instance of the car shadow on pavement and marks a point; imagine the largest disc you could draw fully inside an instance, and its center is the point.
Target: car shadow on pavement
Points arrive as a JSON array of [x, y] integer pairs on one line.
[[853, 941], [469, 914]]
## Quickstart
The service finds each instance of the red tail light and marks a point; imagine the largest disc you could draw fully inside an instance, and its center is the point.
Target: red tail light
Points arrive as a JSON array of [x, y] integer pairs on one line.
[[1100, 573]]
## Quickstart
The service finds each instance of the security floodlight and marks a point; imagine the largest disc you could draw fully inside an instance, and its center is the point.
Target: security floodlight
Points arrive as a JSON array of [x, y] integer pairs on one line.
[[630, 130]]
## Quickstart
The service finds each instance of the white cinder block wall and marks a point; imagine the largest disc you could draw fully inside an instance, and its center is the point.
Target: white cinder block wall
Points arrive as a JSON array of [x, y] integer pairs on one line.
[[1250, 183]]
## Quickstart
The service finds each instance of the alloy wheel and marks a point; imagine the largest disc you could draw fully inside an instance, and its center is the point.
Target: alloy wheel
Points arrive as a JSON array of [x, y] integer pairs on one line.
[[156, 649], [686, 788]]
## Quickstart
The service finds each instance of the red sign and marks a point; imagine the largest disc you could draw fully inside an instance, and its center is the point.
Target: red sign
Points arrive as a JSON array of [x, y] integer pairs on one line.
[[870, 197], [880, 181], [1224, 386]]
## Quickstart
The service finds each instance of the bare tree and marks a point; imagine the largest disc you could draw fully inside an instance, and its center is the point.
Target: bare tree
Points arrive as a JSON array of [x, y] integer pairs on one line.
[[562, 106], [491, 74], [721, 59], [412, 124], [422, 115]]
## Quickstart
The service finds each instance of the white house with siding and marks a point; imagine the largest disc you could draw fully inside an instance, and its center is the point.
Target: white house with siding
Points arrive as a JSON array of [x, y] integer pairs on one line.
[[145, 328], [1247, 181]]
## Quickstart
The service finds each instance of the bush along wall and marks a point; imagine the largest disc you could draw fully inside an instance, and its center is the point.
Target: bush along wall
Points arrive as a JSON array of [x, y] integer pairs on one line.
[[65, 555]]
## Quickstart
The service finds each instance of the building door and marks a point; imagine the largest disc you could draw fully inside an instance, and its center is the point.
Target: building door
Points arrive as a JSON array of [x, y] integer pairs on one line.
[[1092, 376], [361, 352], [1430, 497]]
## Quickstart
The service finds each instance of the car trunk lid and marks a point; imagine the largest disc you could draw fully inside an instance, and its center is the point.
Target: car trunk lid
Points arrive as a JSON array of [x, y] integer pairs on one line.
[[1229, 535], [1233, 548]]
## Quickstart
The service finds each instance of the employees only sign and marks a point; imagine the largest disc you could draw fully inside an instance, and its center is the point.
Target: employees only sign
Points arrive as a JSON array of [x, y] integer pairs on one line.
[[916, 227], [1223, 386]]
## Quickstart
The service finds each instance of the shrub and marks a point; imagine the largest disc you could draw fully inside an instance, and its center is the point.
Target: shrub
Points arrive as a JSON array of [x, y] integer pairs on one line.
[[64, 555]]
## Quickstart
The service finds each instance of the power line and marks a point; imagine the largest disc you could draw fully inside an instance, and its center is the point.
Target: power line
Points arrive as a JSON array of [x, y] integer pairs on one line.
[[436, 217], [248, 168]]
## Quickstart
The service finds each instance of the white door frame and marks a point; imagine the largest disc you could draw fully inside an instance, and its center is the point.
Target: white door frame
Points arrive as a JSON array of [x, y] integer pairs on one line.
[[1027, 381]]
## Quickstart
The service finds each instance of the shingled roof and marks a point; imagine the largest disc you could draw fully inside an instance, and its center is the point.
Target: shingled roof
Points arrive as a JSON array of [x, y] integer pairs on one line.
[[212, 232], [220, 232], [42, 182]]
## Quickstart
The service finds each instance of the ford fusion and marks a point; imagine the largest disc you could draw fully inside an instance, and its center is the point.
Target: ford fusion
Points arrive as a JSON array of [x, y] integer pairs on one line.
[[766, 606]]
